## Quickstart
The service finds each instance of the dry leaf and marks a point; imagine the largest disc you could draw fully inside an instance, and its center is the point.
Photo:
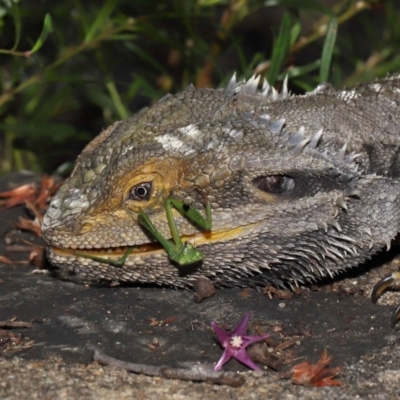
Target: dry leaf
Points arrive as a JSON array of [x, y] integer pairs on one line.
[[48, 188], [31, 225], [30, 193], [271, 291], [246, 293], [17, 196], [319, 374], [154, 322], [167, 321], [5, 260]]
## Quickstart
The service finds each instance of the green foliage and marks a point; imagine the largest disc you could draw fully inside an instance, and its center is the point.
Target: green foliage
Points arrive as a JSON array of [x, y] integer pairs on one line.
[[70, 68], [327, 52], [280, 49]]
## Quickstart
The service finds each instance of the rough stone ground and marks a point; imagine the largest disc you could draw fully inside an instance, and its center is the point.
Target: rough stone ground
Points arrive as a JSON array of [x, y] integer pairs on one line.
[[53, 359]]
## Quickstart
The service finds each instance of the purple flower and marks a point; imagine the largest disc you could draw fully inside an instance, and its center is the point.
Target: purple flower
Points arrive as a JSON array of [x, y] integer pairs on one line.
[[235, 344]]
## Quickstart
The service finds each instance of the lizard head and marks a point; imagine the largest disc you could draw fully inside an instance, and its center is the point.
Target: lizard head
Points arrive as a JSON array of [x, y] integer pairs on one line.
[[284, 209]]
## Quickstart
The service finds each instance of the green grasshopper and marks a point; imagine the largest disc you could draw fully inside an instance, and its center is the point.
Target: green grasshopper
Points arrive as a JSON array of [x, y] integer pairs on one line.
[[182, 253]]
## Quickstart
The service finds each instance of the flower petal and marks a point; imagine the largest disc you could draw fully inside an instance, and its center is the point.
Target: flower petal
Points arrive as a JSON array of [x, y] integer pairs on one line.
[[244, 359], [235, 344], [226, 356], [241, 329], [223, 337], [248, 340]]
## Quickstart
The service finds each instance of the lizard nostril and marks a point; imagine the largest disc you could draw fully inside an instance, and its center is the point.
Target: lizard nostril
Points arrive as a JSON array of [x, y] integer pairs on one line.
[[86, 227]]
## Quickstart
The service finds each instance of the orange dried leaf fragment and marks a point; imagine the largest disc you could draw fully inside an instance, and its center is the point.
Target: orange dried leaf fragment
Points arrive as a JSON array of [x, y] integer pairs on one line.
[[319, 374], [17, 196], [30, 193], [154, 322], [33, 225], [5, 260], [48, 188]]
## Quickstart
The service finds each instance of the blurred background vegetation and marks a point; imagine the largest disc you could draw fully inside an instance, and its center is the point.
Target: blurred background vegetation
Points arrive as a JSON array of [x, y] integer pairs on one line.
[[70, 68]]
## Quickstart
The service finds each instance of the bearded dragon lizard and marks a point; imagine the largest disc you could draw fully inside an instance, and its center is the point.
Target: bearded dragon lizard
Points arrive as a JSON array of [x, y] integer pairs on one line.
[[299, 187]]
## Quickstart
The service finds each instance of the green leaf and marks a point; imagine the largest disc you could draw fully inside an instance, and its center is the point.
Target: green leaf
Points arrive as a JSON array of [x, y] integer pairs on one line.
[[295, 72], [280, 49], [140, 85], [209, 3], [102, 16], [295, 32], [18, 26], [118, 103], [47, 28], [5, 6], [327, 51]]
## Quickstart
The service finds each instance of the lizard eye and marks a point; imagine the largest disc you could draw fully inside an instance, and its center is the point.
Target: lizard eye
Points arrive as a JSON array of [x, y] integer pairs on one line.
[[275, 184], [140, 192]]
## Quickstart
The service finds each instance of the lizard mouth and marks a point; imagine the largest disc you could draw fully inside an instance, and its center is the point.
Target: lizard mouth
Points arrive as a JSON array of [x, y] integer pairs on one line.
[[109, 252], [146, 249], [116, 252]]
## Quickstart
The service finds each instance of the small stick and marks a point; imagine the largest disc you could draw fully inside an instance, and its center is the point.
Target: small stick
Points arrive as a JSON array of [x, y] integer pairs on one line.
[[15, 324], [194, 374]]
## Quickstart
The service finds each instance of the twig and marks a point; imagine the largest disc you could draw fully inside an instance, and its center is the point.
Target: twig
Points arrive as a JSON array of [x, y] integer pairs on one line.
[[15, 324], [194, 374]]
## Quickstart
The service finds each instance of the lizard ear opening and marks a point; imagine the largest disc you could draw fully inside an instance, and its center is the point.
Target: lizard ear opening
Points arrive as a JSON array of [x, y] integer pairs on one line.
[[274, 184]]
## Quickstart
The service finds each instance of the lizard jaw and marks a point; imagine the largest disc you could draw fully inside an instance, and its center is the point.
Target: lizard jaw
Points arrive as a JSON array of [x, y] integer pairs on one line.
[[146, 249]]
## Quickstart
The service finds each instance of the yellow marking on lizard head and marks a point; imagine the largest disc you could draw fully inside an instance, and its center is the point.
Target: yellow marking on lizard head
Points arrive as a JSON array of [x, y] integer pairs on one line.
[[164, 175]]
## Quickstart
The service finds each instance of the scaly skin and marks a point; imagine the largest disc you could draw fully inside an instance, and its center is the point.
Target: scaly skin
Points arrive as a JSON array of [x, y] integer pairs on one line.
[[289, 205]]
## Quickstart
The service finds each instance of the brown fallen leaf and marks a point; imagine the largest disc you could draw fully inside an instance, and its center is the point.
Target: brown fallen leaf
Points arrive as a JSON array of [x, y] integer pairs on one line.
[[154, 322], [316, 375], [30, 193], [48, 188], [5, 260], [17, 196], [286, 344], [167, 321], [31, 225], [246, 293], [281, 294], [34, 225]]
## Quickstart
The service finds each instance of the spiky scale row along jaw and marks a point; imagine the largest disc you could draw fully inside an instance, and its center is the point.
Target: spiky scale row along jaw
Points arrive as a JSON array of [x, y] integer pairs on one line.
[[300, 187]]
